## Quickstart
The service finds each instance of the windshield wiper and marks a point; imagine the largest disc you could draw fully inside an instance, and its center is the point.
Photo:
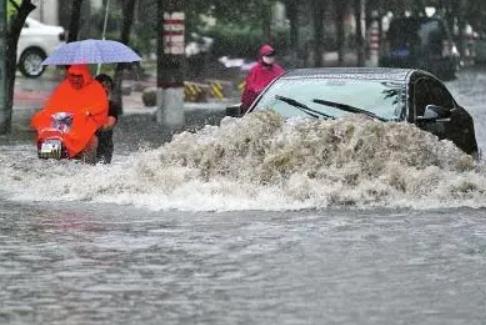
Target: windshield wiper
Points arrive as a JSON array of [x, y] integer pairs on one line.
[[348, 108], [302, 107]]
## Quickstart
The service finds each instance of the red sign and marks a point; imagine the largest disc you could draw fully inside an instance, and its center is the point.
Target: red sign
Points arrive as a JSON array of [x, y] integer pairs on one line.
[[174, 29]]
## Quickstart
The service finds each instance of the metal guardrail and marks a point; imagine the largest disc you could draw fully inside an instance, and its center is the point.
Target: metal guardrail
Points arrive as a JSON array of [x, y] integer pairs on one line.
[[194, 92], [216, 89], [202, 91], [241, 86]]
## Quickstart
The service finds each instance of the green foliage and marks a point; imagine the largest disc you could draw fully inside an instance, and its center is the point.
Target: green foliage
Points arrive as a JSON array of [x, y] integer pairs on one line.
[[233, 40], [240, 26], [145, 27], [239, 29], [11, 10], [243, 41], [247, 12]]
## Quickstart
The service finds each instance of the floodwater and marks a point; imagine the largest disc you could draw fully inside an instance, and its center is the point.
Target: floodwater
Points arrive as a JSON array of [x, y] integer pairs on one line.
[[320, 230]]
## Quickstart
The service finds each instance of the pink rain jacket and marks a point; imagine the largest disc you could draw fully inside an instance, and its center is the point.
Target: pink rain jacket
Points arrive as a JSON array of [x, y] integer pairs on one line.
[[259, 77]]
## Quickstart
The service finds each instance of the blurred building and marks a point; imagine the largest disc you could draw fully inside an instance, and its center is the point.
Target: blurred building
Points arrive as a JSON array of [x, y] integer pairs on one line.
[[54, 12], [47, 11]]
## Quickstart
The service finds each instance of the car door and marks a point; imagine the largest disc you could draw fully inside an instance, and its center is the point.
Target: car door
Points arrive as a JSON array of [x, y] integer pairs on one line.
[[456, 125]]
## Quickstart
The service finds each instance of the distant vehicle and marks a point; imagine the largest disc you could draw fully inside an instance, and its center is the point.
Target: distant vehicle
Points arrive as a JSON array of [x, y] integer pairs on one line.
[[420, 43], [481, 49], [384, 94], [36, 42]]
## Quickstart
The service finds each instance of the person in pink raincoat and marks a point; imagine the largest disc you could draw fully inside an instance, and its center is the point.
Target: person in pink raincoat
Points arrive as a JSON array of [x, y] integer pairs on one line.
[[264, 72]]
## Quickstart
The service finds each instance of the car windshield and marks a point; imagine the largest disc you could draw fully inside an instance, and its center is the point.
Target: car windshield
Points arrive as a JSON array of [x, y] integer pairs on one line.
[[383, 99]]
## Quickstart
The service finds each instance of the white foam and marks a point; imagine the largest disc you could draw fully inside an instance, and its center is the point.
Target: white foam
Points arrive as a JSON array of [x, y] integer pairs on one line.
[[261, 162]]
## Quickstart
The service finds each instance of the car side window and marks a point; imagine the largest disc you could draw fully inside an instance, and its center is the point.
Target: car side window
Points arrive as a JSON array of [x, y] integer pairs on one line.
[[440, 96], [431, 92], [421, 96]]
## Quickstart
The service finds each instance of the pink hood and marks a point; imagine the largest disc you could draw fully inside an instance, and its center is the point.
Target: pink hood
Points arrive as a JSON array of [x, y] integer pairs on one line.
[[266, 49]]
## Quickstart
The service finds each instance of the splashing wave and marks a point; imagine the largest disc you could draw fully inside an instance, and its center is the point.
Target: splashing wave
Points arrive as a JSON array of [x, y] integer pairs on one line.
[[263, 162]]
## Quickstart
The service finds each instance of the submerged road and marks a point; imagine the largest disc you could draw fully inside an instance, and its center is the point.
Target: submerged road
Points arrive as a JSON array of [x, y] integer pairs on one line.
[[140, 242]]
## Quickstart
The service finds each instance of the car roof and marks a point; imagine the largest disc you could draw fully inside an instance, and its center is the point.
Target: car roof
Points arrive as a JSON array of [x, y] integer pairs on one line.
[[383, 74]]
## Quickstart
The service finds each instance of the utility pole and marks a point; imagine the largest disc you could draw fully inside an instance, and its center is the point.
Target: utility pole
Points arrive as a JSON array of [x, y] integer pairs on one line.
[[292, 10], [128, 9], [170, 64], [4, 111]]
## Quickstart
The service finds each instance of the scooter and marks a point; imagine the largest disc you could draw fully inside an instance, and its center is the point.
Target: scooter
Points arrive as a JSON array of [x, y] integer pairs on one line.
[[50, 144]]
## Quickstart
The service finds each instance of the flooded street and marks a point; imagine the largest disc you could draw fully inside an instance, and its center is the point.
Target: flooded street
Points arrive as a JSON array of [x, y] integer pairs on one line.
[[190, 234], [96, 264]]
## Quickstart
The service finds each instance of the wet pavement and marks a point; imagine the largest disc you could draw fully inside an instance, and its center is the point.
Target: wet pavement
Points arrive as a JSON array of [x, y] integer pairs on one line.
[[68, 258]]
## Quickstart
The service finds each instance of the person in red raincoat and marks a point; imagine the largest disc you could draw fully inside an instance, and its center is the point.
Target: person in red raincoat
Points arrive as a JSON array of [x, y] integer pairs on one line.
[[83, 97], [260, 75]]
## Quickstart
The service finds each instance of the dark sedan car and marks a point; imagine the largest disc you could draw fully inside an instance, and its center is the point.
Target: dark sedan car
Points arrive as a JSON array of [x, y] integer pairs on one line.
[[382, 93]]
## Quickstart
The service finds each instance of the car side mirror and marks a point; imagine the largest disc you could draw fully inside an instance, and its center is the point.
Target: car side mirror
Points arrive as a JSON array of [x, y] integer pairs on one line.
[[234, 110], [434, 113]]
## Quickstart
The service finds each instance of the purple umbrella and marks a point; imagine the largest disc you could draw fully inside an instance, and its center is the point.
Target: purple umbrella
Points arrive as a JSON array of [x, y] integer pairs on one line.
[[90, 52]]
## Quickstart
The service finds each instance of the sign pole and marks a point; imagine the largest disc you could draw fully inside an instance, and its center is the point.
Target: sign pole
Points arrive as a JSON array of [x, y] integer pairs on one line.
[[170, 64], [4, 113]]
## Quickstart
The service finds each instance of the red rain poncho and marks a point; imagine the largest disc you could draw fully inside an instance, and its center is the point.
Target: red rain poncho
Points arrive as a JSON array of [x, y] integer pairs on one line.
[[259, 77], [88, 105]]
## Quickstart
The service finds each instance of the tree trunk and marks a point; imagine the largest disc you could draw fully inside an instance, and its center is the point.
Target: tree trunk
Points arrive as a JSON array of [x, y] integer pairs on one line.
[[74, 21], [452, 13], [170, 64], [293, 16], [13, 32], [340, 7], [266, 8], [63, 10], [458, 12], [318, 10], [128, 10], [359, 10]]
